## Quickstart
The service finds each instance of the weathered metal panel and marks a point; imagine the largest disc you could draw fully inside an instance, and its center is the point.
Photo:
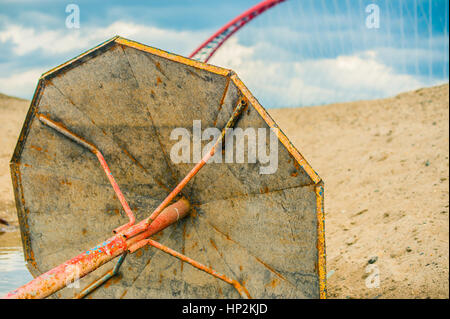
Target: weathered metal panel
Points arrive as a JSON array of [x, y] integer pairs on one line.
[[266, 231]]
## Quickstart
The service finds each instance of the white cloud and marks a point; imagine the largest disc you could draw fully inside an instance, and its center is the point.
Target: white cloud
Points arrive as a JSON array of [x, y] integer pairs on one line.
[[67, 43], [313, 81], [26, 40], [276, 75], [21, 84]]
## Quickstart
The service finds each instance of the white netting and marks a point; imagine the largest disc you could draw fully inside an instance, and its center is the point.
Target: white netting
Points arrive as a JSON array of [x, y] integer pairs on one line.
[[309, 52]]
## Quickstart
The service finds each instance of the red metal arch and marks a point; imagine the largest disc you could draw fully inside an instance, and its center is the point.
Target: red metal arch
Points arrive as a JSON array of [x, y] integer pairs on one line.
[[206, 50]]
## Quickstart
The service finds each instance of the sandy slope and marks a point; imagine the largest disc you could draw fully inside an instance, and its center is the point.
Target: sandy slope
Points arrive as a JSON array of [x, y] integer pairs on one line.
[[385, 167], [12, 115]]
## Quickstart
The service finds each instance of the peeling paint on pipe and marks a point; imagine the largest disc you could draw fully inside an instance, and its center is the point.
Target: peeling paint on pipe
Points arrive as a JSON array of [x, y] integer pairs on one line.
[[64, 274]]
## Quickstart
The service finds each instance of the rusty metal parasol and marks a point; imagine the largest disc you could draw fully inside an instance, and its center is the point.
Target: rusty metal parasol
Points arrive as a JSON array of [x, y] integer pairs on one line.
[[111, 111]]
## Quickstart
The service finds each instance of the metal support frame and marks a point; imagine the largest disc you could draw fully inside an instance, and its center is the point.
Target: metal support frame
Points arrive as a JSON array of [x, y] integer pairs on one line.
[[79, 140], [128, 237], [90, 288]]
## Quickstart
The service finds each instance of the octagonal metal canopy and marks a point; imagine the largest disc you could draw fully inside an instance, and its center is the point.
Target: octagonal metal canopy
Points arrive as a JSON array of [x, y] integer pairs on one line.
[[264, 230]]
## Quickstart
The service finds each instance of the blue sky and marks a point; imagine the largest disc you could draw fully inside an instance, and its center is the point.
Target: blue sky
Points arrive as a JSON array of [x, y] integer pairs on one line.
[[302, 52]]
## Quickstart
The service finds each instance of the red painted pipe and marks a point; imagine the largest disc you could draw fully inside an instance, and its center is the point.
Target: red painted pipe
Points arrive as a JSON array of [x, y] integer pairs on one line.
[[119, 194], [236, 284], [59, 277], [79, 140], [169, 216], [64, 274], [143, 225]]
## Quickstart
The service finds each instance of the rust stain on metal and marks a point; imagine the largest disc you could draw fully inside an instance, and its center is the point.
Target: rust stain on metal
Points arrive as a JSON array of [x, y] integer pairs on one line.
[[238, 286], [270, 268], [321, 241], [183, 246], [173, 57], [225, 91], [23, 218], [28, 119], [194, 213], [215, 247], [39, 149], [158, 66], [281, 136], [256, 258], [133, 159], [220, 232], [123, 294], [222, 100], [65, 182], [161, 184], [273, 283], [79, 57]]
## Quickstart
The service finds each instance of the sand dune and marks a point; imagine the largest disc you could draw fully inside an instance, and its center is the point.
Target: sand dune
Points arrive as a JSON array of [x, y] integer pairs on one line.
[[385, 167]]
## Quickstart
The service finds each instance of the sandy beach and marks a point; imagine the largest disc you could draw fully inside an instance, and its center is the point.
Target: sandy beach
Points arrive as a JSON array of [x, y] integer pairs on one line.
[[385, 165]]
